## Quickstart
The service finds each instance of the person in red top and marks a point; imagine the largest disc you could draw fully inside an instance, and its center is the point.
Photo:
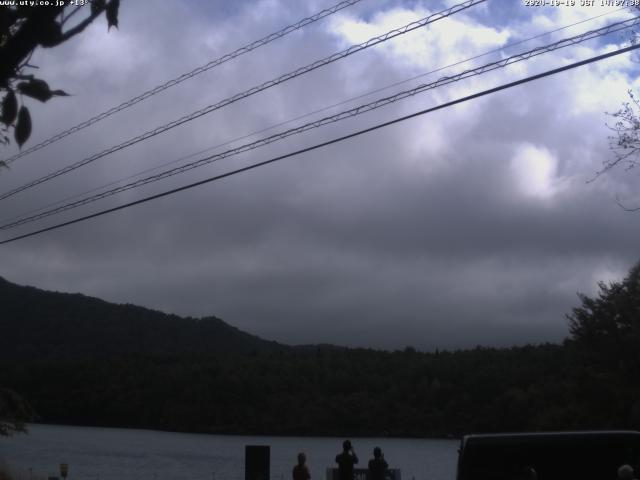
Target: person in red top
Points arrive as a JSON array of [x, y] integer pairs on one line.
[[300, 471]]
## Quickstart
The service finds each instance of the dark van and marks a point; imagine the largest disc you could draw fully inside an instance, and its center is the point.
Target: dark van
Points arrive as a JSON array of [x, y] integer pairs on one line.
[[553, 455]]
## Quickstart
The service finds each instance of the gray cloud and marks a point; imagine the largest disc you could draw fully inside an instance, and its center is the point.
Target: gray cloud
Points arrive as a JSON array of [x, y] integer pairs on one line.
[[421, 234]]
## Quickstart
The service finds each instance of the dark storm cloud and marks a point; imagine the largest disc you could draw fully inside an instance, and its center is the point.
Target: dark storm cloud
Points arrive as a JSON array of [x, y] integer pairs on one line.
[[469, 226]]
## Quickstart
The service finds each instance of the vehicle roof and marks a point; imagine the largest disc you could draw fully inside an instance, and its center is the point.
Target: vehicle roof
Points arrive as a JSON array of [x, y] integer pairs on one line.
[[491, 437]]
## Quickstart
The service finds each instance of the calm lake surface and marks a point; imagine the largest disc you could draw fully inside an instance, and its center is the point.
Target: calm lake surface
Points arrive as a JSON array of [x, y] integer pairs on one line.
[[124, 454]]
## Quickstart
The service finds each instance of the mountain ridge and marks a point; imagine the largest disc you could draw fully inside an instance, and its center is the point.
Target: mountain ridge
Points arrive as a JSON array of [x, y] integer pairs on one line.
[[48, 325]]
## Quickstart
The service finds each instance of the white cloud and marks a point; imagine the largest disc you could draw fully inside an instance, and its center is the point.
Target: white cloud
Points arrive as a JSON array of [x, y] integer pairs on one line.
[[438, 44], [534, 169], [467, 216]]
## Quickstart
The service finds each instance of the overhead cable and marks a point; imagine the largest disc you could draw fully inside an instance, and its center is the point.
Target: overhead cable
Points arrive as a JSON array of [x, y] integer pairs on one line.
[[615, 27], [175, 81], [305, 115], [329, 142], [271, 83]]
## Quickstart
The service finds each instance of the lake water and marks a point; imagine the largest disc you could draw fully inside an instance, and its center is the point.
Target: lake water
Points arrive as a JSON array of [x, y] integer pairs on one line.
[[124, 454]]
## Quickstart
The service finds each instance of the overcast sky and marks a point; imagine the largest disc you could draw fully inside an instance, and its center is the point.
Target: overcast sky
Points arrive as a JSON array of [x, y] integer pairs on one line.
[[471, 225]]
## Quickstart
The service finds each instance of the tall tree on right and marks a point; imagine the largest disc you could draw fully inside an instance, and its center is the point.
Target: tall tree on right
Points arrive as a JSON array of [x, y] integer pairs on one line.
[[625, 138], [605, 332]]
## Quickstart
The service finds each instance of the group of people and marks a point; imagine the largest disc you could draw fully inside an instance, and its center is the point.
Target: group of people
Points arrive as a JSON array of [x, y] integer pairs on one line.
[[378, 466], [346, 460]]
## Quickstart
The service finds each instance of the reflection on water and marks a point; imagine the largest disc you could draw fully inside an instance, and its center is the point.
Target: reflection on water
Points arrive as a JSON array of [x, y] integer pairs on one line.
[[123, 454]]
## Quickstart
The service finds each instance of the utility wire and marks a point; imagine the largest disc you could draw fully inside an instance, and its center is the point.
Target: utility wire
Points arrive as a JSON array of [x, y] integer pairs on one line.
[[329, 142], [306, 115], [288, 76], [197, 71], [615, 27]]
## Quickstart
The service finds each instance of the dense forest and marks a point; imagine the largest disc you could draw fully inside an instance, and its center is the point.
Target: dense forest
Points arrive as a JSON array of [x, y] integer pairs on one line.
[[588, 382]]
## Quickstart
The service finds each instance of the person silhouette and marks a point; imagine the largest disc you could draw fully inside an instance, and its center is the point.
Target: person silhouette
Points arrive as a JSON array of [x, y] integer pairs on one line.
[[346, 460], [529, 473], [301, 471], [377, 465], [625, 472]]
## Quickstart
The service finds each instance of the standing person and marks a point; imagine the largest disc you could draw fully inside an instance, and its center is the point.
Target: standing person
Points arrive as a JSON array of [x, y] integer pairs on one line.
[[378, 465], [529, 473], [346, 460], [625, 472], [300, 471]]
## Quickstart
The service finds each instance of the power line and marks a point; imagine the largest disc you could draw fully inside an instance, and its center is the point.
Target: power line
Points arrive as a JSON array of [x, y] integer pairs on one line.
[[197, 71], [308, 114], [271, 83], [615, 27], [329, 142]]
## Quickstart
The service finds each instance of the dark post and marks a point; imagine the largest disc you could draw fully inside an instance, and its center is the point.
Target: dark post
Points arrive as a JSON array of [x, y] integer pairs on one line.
[[257, 462]]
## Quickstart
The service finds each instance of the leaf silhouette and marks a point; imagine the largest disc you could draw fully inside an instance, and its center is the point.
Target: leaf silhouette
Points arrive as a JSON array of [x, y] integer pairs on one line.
[[23, 127], [50, 34], [97, 6], [112, 13], [38, 89], [9, 108]]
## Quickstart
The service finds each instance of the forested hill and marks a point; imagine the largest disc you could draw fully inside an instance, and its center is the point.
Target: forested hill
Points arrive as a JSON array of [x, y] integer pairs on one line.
[[42, 325], [78, 360]]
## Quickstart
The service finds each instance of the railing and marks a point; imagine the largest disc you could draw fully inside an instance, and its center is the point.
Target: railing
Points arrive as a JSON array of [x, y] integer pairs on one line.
[[363, 474]]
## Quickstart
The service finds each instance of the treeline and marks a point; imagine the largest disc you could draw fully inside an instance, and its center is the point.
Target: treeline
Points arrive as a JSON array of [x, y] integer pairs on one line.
[[588, 382], [329, 392]]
